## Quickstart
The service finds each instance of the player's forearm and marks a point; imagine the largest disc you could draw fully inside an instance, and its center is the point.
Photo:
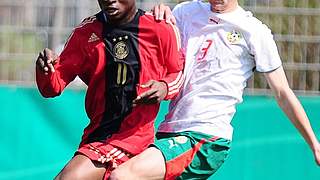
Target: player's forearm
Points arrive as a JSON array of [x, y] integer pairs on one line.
[[174, 82], [295, 112]]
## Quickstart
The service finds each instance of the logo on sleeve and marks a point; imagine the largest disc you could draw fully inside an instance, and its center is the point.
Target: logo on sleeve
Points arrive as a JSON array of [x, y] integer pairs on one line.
[[93, 38], [234, 37]]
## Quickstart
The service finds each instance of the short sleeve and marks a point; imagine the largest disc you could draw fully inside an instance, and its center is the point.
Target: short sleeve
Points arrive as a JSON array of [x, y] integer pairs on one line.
[[264, 49]]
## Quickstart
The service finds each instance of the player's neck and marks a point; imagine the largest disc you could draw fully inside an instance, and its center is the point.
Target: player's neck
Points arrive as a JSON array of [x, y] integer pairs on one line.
[[228, 8]]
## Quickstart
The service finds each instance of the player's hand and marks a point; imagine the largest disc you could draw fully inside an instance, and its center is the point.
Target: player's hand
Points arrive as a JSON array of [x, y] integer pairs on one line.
[[316, 152], [162, 12], [157, 92], [46, 61]]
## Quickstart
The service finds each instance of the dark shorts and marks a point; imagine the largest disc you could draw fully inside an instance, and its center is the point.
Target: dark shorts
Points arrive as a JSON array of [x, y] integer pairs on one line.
[[192, 155]]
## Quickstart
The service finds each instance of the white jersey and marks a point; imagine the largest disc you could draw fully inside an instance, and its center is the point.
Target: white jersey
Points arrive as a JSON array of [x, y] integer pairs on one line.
[[222, 50]]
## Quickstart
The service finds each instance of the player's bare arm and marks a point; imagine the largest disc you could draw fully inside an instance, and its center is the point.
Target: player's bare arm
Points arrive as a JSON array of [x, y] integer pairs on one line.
[[157, 92], [46, 61], [293, 109]]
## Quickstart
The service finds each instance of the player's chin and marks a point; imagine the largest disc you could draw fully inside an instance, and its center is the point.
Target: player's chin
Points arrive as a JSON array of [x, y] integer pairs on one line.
[[114, 16]]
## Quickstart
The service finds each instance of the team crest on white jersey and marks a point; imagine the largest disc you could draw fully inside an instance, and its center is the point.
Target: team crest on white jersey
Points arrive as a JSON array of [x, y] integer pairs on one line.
[[234, 37]]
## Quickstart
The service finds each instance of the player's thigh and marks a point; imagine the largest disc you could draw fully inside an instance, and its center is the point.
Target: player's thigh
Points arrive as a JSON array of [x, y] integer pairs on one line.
[[207, 160], [81, 167], [192, 155], [149, 164]]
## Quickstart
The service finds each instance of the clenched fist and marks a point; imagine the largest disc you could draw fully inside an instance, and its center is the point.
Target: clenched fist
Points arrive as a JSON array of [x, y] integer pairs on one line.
[[46, 61]]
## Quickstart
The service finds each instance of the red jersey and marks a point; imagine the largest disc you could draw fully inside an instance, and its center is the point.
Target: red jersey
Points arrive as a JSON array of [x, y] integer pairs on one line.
[[112, 61]]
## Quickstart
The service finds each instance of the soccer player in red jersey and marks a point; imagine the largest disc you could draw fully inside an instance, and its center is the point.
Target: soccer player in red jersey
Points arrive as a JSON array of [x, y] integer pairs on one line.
[[121, 54]]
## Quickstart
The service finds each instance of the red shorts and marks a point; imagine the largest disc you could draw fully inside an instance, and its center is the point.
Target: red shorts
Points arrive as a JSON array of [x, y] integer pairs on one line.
[[109, 155]]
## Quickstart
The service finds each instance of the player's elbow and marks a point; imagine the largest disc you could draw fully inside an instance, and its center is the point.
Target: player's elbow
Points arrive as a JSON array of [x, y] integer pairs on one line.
[[283, 96], [50, 95]]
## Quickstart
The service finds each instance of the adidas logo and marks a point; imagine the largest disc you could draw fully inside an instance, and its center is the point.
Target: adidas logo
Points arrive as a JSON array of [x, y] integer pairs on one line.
[[93, 38]]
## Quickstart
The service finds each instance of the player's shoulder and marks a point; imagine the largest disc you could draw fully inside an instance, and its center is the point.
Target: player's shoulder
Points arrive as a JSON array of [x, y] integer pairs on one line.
[[253, 24], [159, 24], [148, 17], [190, 6], [161, 28], [249, 23], [88, 24], [87, 21], [185, 11], [89, 30]]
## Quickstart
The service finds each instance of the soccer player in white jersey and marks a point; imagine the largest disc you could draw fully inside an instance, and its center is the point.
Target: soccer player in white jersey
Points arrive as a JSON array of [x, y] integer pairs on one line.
[[223, 44]]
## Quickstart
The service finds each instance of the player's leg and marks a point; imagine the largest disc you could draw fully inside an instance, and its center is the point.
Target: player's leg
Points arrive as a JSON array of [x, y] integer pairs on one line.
[[197, 155], [81, 167], [150, 164], [177, 156]]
